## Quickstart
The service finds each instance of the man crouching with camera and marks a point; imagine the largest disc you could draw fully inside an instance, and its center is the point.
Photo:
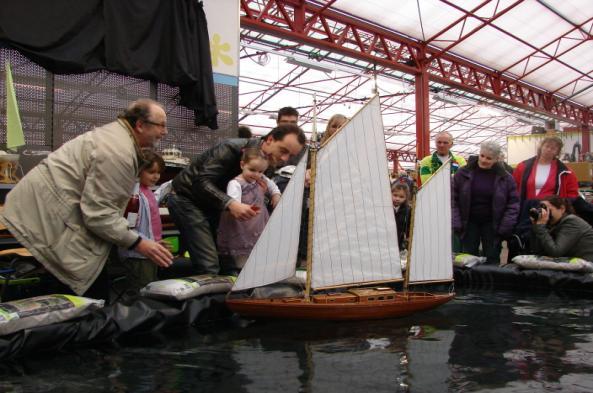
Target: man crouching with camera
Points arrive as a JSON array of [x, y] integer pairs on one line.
[[558, 232]]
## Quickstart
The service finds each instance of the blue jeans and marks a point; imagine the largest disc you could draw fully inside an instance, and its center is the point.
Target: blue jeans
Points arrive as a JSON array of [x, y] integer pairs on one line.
[[197, 231], [481, 232]]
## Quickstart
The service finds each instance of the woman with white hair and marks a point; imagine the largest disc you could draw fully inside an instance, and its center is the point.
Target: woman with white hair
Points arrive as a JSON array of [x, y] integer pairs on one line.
[[485, 203]]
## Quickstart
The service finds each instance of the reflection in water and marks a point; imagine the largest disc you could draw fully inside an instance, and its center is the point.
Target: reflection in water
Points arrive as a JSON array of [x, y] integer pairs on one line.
[[483, 341], [428, 353]]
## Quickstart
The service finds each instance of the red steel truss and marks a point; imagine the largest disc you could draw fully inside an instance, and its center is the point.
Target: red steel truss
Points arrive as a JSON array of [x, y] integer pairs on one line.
[[321, 27]]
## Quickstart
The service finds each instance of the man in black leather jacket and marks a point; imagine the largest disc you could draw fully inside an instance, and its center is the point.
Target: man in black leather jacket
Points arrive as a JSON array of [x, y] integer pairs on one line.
[[199, 191]]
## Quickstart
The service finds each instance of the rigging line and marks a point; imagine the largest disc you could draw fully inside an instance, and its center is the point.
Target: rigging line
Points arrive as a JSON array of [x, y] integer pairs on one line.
[[577, 93], [420, 17]]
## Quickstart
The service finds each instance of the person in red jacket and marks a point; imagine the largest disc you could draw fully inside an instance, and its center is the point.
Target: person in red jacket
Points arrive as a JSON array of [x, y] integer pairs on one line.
[[545, 174], [539, 177]]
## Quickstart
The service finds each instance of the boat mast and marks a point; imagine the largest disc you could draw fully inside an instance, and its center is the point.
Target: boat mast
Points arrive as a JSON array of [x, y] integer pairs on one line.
[[313, 161], [412, 211]]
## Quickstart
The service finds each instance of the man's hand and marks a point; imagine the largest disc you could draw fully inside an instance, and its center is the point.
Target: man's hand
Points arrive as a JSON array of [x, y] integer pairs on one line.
[[241, 211], [154, 251], [166, 244]]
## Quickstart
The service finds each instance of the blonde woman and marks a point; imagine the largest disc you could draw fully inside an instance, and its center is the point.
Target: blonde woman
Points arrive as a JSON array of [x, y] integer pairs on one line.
[[334, 123], [545, 174]]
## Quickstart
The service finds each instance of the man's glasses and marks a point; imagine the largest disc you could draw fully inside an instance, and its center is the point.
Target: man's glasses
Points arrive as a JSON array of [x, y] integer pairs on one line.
[[155, 124]]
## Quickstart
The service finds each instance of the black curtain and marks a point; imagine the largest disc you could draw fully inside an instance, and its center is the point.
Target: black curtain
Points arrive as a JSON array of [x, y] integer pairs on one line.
[[160, 40]]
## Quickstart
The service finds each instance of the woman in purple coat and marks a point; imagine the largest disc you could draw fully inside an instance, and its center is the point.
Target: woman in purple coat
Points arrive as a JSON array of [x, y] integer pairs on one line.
[[485, 203]]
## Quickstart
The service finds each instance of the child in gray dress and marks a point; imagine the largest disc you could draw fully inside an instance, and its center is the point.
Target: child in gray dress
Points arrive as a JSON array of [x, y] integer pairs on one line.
[[237, 238]]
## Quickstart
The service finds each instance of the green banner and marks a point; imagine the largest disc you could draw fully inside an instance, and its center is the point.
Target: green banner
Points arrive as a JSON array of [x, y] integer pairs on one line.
[[14, 128]]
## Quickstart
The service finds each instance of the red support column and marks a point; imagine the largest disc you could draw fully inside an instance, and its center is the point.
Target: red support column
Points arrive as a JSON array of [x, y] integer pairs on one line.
[[395, 165], [422, 113], [586, 139]]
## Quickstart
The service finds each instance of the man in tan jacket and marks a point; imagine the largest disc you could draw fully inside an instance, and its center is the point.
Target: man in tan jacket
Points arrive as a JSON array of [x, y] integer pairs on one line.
[[68, 210]]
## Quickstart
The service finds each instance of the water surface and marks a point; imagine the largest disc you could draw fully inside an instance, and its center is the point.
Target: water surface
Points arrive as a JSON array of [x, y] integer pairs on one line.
[[486, 341]]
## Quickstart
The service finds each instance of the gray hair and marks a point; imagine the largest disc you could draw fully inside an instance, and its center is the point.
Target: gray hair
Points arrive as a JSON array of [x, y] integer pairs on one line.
[[446, 133], [492, 147]]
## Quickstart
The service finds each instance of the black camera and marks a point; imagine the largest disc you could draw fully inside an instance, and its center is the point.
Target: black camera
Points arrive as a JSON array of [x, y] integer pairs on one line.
[[536, 212]]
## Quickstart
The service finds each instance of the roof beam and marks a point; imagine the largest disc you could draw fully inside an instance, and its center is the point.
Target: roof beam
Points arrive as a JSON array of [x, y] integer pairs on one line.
[[342, 34], [485, 22], [556, 44], [488, 22]]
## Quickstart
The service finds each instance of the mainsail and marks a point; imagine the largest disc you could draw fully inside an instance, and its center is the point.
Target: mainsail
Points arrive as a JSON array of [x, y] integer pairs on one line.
[[431, 252], [274, 256], [354, 232]]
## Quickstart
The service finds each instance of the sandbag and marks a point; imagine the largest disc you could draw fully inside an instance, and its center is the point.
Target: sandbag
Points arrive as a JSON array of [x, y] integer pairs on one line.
[[188, 287], [122, 321], [467, 260], [43, 310], [542, 262]]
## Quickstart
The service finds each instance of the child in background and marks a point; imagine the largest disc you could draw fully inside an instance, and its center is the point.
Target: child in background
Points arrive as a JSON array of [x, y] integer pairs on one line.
[[144, 217], [400, 196], [237, 238]]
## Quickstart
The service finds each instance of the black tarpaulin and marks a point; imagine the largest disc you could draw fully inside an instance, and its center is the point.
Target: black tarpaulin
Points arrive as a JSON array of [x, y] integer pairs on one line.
[[513, 277], [119, 320], [161, 40]]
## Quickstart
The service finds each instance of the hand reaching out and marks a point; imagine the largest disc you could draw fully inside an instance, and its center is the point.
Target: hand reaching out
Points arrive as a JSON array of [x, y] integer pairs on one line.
[[156, 252], [241, 211]]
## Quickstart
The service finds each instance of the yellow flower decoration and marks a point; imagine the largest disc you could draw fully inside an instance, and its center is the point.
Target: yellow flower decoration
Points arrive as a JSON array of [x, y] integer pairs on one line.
[[216, 49]]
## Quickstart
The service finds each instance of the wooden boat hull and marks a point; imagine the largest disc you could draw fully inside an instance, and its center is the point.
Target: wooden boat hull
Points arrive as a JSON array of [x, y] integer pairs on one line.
[[402, 304]]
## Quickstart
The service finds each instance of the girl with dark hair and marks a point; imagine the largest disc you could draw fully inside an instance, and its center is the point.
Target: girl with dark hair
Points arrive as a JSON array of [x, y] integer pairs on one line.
[[400, 196], [144, 217], [557, 232]]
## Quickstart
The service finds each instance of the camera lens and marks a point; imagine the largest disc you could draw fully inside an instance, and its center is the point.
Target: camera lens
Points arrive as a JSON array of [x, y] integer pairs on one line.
[[534, 213]]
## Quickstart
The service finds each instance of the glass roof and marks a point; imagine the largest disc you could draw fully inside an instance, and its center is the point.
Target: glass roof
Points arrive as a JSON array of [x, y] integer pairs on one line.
[[544, 43]]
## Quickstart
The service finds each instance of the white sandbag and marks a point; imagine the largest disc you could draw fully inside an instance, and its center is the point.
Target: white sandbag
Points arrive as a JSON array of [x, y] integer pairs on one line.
[[43, 310], [542, 262], [467, 260], [188, 287]]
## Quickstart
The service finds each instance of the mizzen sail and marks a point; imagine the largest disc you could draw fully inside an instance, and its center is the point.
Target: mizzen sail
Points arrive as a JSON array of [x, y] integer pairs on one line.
[[431, 251], [274, 256], [354, 233]]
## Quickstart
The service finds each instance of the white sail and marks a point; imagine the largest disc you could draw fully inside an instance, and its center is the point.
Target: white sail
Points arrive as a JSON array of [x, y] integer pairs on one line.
[[355, 238], [431, 238], [274, 256]]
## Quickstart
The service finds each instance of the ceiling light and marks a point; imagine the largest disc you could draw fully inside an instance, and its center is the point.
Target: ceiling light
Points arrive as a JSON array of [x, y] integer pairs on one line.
[[315, 65], [445, 98], [524, 120], [263, 59]]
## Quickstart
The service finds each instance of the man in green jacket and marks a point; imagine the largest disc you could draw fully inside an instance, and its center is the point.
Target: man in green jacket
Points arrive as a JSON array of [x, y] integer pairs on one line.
[[430, 164]]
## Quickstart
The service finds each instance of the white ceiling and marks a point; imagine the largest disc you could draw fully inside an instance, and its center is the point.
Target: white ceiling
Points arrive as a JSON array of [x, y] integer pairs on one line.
[[469, 118]]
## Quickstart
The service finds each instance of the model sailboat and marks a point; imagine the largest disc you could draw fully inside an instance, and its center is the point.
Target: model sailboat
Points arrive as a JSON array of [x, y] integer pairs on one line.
[[353, 239]]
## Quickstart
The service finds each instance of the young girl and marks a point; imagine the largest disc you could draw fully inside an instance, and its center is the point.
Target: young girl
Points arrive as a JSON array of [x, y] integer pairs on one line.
[[237, 238], [400, 195], [143, 216]]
